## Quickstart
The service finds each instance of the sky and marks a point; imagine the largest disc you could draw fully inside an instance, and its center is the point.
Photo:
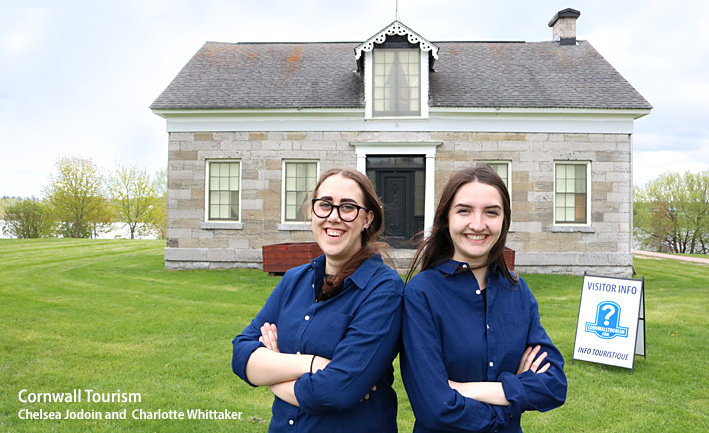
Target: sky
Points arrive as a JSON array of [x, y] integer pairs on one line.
[[77, 77]]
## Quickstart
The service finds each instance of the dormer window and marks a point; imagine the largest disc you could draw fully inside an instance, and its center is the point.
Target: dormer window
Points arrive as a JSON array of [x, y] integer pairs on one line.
[[396, 82], [395, 64]]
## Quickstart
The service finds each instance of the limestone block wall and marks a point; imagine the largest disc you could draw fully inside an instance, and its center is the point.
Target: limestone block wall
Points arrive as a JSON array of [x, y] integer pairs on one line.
[[194, 244], [601, 248]]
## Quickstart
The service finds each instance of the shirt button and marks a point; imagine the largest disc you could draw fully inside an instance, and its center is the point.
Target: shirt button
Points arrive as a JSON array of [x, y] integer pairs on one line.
[[477, 292], [297, 353], [491, 364], [291, 422], [465, 266], [307, 317], [488, 326]]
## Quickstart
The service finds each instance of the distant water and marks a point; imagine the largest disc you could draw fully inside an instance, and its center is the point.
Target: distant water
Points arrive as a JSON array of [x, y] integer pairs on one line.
[[119, 231]]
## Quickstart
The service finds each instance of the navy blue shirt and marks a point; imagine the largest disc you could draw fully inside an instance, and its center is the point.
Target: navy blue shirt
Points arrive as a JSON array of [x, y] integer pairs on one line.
[[449, 334], [358, 330]]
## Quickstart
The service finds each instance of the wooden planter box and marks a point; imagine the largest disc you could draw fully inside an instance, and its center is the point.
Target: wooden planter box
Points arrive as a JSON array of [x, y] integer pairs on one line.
[[278, 258], [509, 256]]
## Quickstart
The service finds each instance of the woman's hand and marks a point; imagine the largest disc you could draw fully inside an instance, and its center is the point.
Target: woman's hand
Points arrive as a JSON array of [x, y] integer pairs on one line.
[[269, 336], [486, 392], [529, 363], [366, 397], [268, 366]]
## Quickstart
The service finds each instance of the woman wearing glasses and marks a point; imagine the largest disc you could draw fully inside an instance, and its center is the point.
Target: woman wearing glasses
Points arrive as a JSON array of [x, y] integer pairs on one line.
[[325, 340]]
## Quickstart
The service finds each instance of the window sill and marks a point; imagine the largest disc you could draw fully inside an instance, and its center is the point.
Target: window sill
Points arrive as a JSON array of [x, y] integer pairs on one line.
[[295, 227], [390, 118], [573, 229], [213, 225]]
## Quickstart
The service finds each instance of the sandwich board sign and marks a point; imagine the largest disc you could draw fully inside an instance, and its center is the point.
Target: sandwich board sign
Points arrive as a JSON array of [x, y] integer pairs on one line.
[[609, 329]]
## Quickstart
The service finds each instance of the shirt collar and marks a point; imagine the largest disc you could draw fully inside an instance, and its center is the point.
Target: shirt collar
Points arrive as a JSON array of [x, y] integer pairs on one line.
[[366, 271], [451, 266], [360, 277]]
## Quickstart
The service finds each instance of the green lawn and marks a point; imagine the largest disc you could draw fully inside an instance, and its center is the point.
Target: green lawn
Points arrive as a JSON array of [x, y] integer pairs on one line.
[[701, 256], [106, 316]]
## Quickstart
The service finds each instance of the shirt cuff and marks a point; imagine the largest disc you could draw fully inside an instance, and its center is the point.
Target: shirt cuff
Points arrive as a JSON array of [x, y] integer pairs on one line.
[[305, 395], [242, 353], [514, 392]]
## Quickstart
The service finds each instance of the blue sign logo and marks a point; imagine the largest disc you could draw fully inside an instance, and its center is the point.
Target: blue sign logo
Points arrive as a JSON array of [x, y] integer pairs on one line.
[[607, 318]]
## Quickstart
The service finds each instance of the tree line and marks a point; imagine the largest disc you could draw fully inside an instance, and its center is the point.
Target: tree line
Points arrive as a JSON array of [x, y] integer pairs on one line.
[[80, 201], [671, 214]]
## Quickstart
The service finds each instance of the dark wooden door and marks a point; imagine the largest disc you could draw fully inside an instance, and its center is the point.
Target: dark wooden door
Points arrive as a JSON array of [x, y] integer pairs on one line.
[[397, 189]]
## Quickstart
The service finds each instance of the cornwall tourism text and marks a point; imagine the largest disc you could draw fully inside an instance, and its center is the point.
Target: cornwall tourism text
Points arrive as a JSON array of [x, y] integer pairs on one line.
[[79, 396], [89, 396]]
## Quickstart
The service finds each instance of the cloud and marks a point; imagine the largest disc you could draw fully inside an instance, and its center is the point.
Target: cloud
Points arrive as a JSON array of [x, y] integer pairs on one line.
[[22, 30], [77, 79], [662, 154]]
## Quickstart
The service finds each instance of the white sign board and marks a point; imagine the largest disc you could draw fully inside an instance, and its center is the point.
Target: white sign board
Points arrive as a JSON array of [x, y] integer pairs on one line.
[[609, 315]]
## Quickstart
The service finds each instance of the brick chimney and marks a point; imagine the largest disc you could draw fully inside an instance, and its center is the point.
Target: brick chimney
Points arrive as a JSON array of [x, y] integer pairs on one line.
[[564, 26]]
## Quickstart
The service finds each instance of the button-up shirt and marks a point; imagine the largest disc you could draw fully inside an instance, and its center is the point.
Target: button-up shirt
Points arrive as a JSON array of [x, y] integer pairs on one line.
[[448, 333], [358, 330]]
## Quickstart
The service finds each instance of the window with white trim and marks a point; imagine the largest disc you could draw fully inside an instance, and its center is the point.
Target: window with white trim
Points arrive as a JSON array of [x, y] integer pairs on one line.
[[223, 190], [396, 82], [299, 179], [571, 198], [502, 168]]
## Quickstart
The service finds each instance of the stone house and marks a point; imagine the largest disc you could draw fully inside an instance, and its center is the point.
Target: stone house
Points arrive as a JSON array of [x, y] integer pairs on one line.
[[251, 126]]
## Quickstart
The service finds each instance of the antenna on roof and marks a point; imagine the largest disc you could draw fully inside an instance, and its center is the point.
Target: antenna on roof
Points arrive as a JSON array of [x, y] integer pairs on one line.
[[396, 16]]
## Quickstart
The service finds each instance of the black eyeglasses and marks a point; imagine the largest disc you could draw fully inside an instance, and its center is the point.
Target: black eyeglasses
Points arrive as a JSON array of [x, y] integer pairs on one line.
[[348, 212]]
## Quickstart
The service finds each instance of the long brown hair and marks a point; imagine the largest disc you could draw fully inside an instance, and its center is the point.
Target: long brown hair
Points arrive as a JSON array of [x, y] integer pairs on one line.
[[333, 284], [438, 246]]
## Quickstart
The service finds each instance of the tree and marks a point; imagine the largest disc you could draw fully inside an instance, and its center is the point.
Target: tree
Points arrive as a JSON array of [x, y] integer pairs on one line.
[[28, 219], [133, 196], [158, 216], [671, 213], [77, 198], [6, 202]]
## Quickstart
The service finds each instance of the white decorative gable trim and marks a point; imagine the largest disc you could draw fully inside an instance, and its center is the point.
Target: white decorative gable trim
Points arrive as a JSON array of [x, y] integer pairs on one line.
[[396, 28]]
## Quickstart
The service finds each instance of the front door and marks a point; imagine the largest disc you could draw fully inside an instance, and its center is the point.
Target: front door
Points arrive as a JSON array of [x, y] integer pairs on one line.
[[400, 184], [397, 193]]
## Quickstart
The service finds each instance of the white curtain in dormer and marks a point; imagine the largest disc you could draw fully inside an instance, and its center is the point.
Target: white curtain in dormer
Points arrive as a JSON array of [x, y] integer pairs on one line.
[[397, 84]]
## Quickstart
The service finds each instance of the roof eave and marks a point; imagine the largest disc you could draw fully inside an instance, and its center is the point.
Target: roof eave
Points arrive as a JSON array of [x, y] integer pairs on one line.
[[635, 113], [396, 28]]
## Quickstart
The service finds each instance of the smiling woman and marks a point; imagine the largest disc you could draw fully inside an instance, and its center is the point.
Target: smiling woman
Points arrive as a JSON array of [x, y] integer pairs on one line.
[[338, 225], [475, 222], [325, 340], [506, 363]]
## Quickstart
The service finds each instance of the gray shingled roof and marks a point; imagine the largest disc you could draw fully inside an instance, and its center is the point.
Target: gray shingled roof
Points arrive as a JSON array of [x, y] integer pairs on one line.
[[468, 74]]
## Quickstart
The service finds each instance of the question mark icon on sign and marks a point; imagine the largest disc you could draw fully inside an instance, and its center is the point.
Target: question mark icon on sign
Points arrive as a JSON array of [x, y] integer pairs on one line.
[[611, 311]]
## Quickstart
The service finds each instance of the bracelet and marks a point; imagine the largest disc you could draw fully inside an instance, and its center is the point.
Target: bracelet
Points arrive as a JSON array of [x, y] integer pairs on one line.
[[312, 361]]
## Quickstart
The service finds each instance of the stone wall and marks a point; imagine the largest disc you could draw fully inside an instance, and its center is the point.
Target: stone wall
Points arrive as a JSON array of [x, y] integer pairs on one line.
[[192, 243], [603, 248]]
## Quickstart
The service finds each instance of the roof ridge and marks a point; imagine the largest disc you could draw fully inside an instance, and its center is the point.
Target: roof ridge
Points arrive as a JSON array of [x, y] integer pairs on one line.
[[281, 43]]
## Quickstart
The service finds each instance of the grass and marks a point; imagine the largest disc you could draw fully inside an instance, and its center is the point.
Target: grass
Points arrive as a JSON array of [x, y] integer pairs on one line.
[[668, 390], [107, 316], [701, 256]]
